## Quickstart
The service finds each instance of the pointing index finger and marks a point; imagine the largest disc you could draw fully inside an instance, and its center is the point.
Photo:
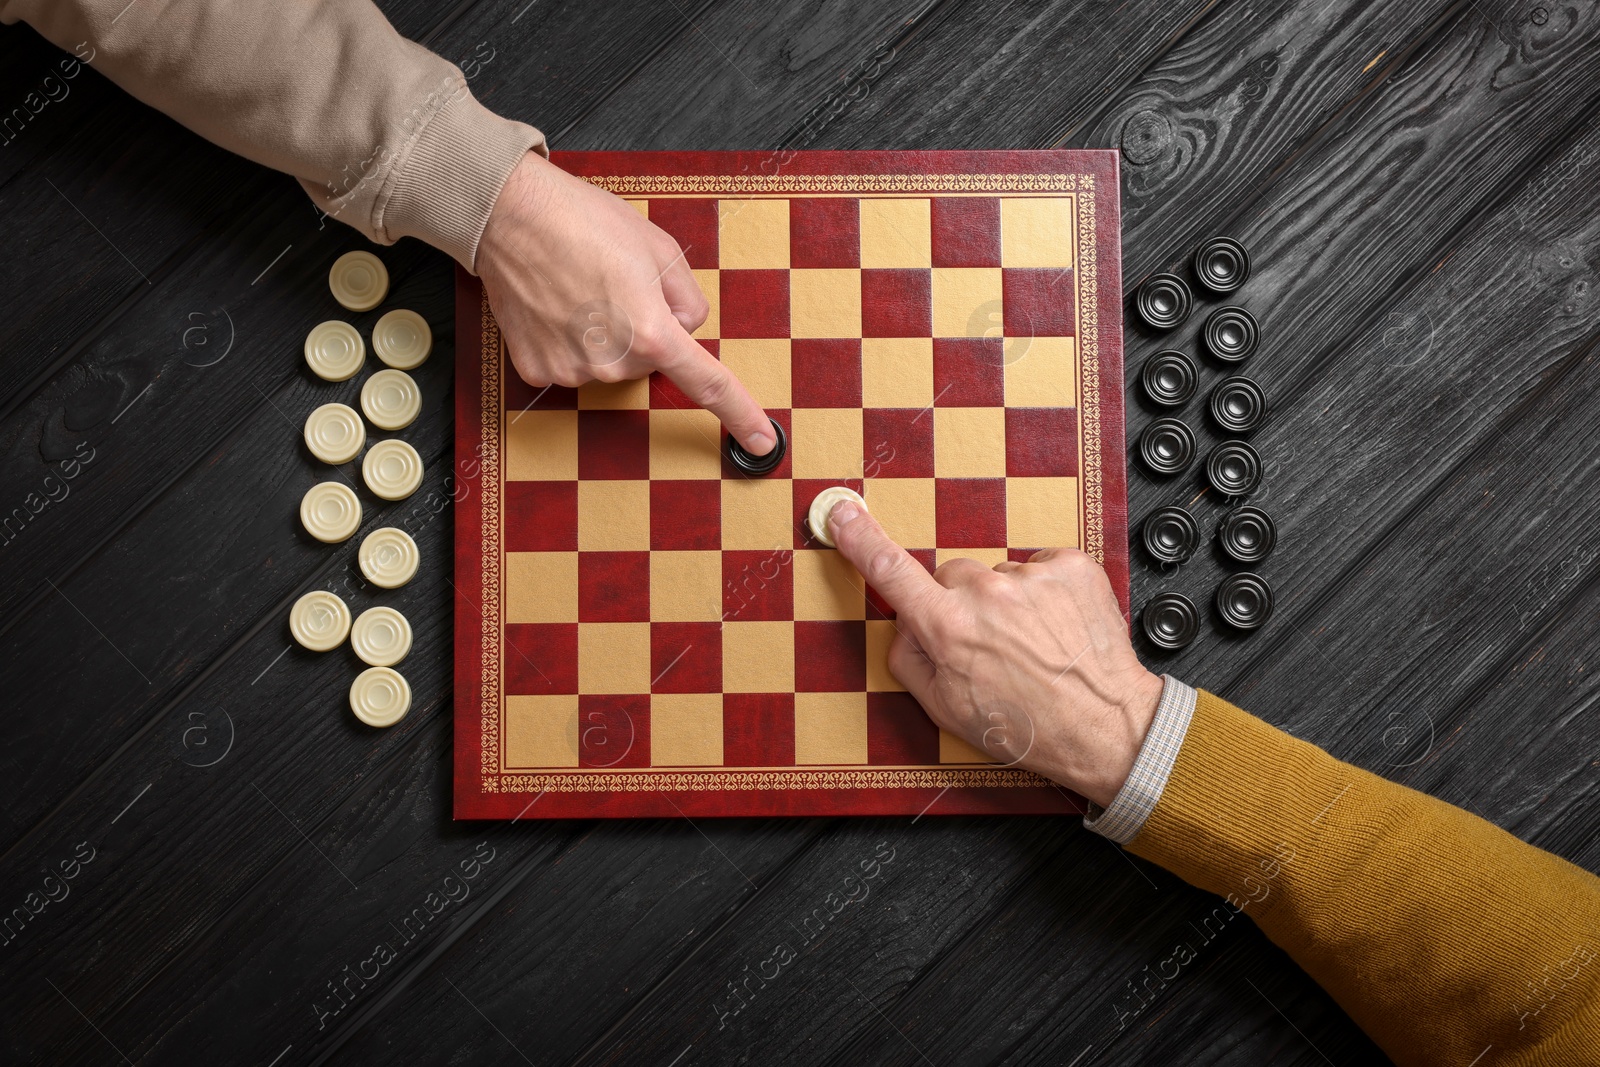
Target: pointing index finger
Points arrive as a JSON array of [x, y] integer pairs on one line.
[[708, 382], [890, 569]]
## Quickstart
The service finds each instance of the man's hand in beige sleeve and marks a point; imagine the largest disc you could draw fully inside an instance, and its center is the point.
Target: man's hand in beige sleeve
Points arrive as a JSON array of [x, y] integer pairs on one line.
[[1030, 662], [383, 134], [386, 136], [586, 289]]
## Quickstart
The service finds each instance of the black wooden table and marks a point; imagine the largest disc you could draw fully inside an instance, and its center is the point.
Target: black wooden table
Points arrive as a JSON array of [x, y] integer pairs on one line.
[[260, 880]]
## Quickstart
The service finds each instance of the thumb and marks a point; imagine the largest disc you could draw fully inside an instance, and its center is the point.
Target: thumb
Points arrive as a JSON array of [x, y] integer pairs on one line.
[[887, 567], [913, 669], [684, 298]]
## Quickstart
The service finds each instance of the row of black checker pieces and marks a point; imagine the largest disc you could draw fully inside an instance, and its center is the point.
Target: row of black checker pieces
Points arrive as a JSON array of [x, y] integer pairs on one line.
[[1233, 468]]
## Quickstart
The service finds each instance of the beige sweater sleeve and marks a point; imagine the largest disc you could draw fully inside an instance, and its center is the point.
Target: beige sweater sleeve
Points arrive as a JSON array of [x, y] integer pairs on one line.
[[384, 134]]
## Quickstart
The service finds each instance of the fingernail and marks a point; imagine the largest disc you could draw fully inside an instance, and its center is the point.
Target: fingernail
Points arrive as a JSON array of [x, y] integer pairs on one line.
[[843, 513], [760, 444]]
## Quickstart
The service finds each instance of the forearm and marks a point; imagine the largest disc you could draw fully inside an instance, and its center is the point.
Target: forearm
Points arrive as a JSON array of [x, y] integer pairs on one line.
[[1441, 935], [382, 133]]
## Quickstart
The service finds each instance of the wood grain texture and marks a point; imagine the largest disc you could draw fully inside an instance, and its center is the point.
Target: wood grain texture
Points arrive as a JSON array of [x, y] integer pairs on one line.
[[214, 286], [862, 952], [1245, 91], [1386, 447], [98, 166], [1398, 657], [202, 609], [996, 75], [157, 367], [44, 99], [747, 63], [1409, 179], [631, 918], [1372, 451], [607, 931], [153, 610], [992, 973], [222, 909]]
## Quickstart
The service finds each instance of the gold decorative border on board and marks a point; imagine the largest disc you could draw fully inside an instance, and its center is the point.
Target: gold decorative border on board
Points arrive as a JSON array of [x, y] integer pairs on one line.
[[492, 412], [652, 780], [721, 184], [1087, 276]]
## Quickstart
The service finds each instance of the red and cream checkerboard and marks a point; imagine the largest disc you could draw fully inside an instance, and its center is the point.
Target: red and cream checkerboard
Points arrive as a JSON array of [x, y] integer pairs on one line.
[[647, 631]]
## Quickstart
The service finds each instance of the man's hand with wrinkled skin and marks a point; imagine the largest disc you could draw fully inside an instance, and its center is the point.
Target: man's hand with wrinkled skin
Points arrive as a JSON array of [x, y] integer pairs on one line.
[[1030, 662], [585, 289]]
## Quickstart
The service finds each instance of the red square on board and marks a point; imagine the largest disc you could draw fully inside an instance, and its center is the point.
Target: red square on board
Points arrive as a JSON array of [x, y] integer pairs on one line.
[[664, 392], [613, 444], [520, 395], [877, 607], [897, 443], [899, 732], [969, 372], [693, 224], [970, 512], [758, 730], [1020, 555], [754, 303], [541, 658], [613, 587], [830, 657], [614, 731], [541, 516], [758, 585], [785, 466], [686, 657], [1038, 302], [805, 491], [1041, 442], [824, 232], [894, 303], [685, 515], [825, 373], [966, 231]]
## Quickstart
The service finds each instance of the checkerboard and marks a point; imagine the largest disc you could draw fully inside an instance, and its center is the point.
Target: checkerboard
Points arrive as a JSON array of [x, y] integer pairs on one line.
[[667, 626]]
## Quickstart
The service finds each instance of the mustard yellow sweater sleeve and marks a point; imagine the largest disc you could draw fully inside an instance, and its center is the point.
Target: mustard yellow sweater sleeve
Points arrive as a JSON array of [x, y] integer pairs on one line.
[[1445, 938], [382, 133]]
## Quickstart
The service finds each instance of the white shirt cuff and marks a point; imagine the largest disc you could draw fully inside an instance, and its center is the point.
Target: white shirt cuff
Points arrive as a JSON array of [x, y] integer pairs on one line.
[[1138, 797]]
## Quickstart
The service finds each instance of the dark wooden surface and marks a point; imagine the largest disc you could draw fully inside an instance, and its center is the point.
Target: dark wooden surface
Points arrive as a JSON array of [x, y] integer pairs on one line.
[[1417, 182]]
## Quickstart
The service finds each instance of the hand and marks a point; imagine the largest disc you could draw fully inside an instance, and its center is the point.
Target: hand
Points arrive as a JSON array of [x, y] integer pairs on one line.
[[585, 289], [1030, 662]]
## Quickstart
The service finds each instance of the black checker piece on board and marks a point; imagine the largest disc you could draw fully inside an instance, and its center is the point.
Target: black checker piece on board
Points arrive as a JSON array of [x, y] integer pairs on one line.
[[758, 465], [1169, 378], [1167, 446], [1247, 534], [1231, 334], [1164, 301], [1222, 265], [1244, 601], [1233, 468], [1238, 404], [1170, 620], [1170, 535]]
